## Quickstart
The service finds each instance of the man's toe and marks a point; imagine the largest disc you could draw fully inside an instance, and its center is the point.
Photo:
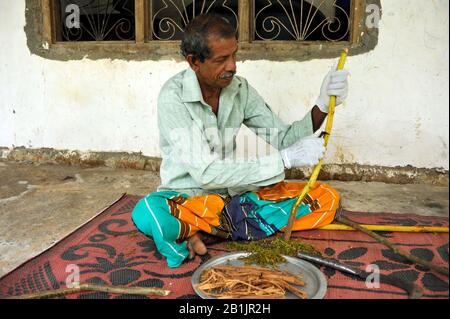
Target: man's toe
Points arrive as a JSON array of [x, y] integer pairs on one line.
[[199, 247], [191, 250]]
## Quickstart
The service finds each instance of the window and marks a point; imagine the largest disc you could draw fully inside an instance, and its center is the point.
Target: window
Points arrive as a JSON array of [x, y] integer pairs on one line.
[[93, 20], [168, 18], [302, 20], [278, 28]]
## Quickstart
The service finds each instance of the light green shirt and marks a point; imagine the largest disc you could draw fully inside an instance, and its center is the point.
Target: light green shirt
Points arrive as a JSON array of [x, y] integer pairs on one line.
[[198, 147]]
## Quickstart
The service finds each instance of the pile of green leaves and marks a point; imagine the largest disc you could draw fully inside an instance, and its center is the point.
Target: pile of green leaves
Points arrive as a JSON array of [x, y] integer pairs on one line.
[[269, 252]]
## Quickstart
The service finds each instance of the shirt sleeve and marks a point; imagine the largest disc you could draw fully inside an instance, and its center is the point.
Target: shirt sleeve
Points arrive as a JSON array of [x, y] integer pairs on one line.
[[188, 146], [261, 119]]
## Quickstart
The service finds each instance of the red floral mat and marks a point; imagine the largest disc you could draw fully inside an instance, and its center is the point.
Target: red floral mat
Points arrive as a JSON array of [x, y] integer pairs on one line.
[[109, 250]]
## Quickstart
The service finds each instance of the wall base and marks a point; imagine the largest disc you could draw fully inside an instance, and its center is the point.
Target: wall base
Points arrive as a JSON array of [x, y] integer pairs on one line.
[[340, 172]]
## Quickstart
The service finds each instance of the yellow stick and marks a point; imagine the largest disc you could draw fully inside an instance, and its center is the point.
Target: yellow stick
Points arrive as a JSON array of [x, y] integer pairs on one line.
[[408, 229], [315, 173]]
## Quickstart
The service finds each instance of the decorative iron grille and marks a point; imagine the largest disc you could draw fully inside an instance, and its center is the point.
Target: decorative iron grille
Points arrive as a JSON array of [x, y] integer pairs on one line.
[[170, 17], [99, 20], [302, 20], [257, 20]]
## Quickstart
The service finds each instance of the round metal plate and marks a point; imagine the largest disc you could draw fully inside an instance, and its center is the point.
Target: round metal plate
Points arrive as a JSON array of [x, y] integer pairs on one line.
[[315, 281]]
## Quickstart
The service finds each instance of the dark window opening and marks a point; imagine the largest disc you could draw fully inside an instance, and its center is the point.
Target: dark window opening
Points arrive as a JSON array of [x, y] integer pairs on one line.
[[302, 20], [169, 18], [95, 20]]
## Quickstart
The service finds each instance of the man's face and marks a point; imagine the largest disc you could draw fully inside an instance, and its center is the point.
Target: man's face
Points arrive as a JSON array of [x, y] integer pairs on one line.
[[218, 70]]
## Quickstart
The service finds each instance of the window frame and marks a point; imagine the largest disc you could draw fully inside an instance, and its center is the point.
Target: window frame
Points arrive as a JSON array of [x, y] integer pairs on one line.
[[248, 49]]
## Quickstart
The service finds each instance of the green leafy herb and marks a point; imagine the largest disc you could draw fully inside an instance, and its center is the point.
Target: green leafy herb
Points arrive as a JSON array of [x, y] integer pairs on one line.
[[269, 252]]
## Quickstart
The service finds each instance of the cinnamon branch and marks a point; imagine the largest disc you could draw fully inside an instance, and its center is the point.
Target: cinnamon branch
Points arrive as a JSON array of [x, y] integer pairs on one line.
[[92, 287]]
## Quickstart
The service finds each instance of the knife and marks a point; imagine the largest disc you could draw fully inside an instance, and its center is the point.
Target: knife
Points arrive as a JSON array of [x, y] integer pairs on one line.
[[411, 288]]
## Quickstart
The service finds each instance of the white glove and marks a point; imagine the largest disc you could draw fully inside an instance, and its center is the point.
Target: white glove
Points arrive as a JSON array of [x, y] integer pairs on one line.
[[335, 83], [307, 151]]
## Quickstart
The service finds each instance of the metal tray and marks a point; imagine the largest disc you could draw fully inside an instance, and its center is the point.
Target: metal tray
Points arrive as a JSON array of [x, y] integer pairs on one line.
[[315, 281]]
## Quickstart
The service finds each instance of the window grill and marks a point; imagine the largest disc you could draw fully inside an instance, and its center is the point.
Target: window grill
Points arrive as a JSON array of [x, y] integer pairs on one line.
[[302, 20], [273, 29], [96, 20], [170, 17]]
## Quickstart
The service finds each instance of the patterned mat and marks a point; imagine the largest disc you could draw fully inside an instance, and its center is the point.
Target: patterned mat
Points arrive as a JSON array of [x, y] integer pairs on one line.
[[109, 250]]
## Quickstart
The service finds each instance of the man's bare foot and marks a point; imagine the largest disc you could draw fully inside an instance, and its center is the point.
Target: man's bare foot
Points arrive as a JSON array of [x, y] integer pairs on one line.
[[195, 245]]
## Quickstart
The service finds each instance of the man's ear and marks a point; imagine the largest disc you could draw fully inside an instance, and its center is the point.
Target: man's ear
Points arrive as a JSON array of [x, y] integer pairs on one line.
[[193, 62]]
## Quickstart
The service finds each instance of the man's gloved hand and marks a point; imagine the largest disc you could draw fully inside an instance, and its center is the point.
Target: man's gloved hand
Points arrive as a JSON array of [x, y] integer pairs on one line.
[[335, 83], [305, 152]]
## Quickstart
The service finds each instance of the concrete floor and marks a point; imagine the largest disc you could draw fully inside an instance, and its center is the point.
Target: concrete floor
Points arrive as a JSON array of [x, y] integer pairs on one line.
[[40, 204]]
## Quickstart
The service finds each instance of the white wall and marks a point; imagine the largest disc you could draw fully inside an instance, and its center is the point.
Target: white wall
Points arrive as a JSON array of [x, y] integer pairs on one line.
[[396, 114]]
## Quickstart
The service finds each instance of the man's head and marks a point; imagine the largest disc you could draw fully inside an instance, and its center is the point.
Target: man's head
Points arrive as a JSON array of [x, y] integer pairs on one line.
[[209, 44]]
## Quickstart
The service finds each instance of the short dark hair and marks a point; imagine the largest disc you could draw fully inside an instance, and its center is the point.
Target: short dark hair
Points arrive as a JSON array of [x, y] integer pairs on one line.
[[197, 32]]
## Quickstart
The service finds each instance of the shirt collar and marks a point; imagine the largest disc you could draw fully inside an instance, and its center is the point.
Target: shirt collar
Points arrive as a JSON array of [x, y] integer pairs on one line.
[[191, 87], [193, 93]]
